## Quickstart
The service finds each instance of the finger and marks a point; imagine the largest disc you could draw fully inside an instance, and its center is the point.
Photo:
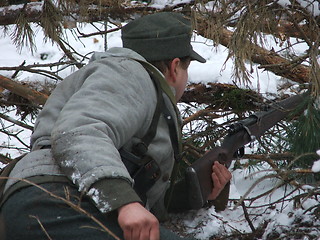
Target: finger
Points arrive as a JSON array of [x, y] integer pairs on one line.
[[136, 233], [150, 232], [155, 233], [218, 167], [127, 234], [218, 170], [216, 181], [226, 173], [222, 172], [216, 173], [145, 234], [216, 187]]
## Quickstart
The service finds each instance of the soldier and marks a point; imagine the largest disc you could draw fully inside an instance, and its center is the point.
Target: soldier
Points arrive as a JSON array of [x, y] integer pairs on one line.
[[107, 140]]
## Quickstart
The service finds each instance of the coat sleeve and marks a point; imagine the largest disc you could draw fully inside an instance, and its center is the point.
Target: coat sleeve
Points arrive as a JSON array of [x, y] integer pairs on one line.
[[115, 103]]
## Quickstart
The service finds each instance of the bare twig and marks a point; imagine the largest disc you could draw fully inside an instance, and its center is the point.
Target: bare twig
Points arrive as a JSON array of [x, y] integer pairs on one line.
[[226, 222], [12, 120], [246, 215], [15, 135], [252, 187], [17, 71], [41, 225]]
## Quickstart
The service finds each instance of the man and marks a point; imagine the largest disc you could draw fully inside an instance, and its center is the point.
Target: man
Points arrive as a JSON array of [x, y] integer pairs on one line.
[[110, 115]]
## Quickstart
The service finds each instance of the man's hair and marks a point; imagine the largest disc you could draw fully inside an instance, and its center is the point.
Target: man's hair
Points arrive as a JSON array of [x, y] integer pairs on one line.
[[165, 64]]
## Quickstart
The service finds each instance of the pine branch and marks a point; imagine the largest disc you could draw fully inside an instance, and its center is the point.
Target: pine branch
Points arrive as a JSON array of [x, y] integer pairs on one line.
[[220, 96], [270, 60]]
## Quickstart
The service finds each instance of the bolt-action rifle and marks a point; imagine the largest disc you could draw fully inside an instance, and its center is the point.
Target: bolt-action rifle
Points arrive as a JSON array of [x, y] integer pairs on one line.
[[198, 175]]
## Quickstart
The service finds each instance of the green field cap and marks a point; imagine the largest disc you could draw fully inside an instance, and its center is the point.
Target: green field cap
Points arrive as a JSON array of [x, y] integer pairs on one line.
[[160, 36]]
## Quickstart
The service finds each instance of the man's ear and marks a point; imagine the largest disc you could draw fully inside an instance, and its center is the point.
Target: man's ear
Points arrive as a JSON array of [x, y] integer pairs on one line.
[[173, 71]]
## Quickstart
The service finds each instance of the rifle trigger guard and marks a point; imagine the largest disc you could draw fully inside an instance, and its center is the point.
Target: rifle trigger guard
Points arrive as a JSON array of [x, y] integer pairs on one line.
[[252, 137]]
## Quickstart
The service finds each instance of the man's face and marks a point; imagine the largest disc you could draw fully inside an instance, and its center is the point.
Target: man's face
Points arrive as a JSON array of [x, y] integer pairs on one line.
[[177, 76], [182, 79]]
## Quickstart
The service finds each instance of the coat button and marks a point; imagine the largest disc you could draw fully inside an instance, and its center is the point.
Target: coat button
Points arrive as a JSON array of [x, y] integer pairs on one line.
[[165, 177]]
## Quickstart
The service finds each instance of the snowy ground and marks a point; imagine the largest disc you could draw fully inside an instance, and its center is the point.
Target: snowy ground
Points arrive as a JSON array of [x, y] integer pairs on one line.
[[275, 212], [278, 216]]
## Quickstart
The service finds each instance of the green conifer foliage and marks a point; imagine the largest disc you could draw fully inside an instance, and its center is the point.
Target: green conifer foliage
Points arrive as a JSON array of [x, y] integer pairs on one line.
[[304, 137]]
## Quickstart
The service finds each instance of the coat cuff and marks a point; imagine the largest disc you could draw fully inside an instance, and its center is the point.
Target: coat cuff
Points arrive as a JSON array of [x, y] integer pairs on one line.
[[111, 193]]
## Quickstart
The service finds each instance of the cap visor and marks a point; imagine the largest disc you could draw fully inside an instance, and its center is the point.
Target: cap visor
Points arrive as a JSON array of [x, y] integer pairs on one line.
[[197, 57]]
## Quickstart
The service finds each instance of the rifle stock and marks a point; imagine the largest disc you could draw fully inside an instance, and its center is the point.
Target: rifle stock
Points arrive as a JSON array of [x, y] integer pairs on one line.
[[198, 175]]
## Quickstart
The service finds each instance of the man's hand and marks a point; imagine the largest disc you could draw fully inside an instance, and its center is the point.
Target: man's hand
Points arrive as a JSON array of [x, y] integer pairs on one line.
[[138, 223], [220, 177]]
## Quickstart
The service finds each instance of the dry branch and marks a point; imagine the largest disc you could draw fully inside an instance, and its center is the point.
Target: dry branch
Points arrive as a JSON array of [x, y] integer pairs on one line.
[[14, 121], [42, 227], [23, 91], [274, 156]]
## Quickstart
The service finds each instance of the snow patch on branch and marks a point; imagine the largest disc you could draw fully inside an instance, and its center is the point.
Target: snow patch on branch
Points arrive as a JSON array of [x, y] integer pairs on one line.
[[312, 6], [36, 6], [316, 165]]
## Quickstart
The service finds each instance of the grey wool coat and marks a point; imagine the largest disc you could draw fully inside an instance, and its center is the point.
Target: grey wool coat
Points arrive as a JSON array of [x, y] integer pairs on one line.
[[106, 105]]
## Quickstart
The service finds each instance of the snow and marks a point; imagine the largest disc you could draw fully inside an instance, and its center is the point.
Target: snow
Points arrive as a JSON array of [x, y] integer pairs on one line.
[[273, 208], [96, 197], [316, 165], [312, 6]]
